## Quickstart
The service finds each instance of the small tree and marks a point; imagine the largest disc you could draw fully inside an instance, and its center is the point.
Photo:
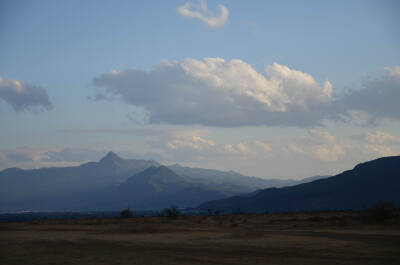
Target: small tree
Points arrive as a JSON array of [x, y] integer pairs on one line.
[[383, 211], [172, 212], [210, 211], [126, 213], [238, 211]]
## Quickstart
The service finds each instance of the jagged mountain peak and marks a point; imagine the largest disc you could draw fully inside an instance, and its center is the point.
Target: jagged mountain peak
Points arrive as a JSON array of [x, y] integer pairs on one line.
[[111, 157]]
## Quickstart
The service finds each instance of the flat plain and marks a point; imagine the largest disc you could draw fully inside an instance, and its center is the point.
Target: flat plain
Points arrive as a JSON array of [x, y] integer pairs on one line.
[[295, 238]]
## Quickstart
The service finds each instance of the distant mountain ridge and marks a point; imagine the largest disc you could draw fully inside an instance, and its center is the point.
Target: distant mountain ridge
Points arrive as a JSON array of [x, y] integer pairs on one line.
[[157, 188], [84, 187], [365, 185], [19, 188], [229, 182]]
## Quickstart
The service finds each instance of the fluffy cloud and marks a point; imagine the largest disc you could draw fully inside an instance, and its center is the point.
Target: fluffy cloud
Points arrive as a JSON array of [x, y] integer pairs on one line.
[[22, 96], [201, 12], [216, 92]]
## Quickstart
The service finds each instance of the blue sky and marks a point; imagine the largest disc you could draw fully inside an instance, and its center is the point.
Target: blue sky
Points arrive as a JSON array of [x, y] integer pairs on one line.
[[62, 47]]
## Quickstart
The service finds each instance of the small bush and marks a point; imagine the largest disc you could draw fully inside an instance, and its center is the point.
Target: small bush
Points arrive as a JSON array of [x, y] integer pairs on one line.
[[383, 212], [315, 219], [238, 211], [172, 212], [210, 211], [126, 213]]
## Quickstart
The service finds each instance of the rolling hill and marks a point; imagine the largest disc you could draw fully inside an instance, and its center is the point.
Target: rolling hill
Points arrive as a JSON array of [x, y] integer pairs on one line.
[[365, 185]]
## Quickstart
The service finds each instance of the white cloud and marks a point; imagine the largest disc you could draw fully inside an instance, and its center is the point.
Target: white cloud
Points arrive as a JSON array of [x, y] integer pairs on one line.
[[300, 88], [201, 12], [22, 96], [216, 92]]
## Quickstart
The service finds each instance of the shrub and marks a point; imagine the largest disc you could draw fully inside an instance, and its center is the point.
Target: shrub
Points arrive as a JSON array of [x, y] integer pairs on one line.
[[383, 211], [210, 212], [315, 219], [238, 211], [126, 213], [172, 212]]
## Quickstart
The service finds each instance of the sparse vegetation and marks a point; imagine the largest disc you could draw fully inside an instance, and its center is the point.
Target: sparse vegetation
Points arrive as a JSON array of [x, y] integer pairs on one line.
[[290, 238]]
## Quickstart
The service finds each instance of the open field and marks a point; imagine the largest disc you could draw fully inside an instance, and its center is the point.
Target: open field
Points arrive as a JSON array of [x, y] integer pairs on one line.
[[303, 238]]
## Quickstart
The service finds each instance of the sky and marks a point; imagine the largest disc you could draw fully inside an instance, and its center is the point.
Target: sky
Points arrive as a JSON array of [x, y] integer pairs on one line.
[[274, 89]]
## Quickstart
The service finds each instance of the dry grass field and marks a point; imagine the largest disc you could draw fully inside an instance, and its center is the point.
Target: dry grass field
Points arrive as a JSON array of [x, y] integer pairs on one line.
[[311, 238]]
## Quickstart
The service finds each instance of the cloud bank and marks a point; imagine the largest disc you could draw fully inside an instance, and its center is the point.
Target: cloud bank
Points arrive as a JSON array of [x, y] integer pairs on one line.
[[24, 97], [201, 12], [216, 92]]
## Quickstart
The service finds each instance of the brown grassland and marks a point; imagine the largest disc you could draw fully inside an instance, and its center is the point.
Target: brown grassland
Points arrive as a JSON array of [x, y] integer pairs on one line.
[[296, 238]]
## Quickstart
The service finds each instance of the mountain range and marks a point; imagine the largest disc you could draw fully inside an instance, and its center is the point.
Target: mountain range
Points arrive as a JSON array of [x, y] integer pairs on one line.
[[114, 183], [366, 184]]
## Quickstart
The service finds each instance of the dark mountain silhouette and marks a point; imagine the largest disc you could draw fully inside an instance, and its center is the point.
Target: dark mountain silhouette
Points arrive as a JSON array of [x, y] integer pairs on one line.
[[114, 182], [365, 185]]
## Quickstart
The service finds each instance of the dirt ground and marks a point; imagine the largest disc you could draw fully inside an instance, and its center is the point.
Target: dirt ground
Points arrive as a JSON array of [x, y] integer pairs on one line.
[[312, 238]]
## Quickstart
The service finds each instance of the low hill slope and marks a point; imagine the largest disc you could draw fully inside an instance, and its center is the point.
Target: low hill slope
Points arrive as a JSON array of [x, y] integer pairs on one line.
[[367, 184]]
